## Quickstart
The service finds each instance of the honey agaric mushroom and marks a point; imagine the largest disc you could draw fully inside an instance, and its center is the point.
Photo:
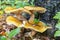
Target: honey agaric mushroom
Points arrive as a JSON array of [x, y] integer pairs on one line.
[[40, 28], [19, 10], [12, 10], [36, 27], [38, 9], [14, 21]]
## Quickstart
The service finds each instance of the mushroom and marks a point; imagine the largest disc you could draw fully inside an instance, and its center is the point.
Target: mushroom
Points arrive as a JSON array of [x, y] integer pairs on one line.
[[13, 10], [38, 9], [37, 28], [14, 21], [40, 27], [27, 9], [9, 9]]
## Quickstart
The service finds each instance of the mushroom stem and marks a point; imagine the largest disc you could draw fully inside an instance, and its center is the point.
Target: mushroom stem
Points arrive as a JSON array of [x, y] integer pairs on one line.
[[49, 27]]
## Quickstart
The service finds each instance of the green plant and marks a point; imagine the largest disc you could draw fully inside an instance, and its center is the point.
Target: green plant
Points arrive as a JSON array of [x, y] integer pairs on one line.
[[11, 34], [36, 21], [57, 16], [3, 38], [14, 32]]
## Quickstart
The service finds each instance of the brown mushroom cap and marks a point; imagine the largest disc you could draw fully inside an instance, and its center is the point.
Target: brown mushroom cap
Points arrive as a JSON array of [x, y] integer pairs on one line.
[[25, 9], [38, 9], [35, 27], [19, 10], [13, 20], [9, 9]]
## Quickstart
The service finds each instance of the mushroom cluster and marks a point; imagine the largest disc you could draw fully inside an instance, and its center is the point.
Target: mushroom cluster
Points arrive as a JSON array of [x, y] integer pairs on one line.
[[24, 13]]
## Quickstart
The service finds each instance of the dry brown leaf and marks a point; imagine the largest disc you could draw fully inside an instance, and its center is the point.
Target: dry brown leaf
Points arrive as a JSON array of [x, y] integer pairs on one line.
[[33, 33], [3, 33]]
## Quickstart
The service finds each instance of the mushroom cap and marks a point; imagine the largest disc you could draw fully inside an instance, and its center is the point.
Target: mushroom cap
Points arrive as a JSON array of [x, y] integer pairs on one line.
[[37, 28], [38, 9], [13, 10], [25, 9], [9, 9], [13, 20]]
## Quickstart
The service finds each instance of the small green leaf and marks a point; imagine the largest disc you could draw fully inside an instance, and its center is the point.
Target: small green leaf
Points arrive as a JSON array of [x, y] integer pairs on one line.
[[3, 38], [36, 14], [3, 7], [58, 26], [14, 32], [32, 3], [57, 33], [57, 16], [12, 3], [21, 4], [36, 21]]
